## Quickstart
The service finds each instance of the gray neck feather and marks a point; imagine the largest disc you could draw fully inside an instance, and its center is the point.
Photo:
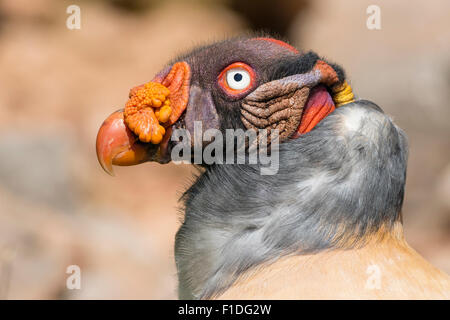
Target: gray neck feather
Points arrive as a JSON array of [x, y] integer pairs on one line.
[[337, 184]]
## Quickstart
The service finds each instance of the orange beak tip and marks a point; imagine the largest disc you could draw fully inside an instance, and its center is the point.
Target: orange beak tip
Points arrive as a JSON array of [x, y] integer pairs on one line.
[[112, 138], [107, 167]]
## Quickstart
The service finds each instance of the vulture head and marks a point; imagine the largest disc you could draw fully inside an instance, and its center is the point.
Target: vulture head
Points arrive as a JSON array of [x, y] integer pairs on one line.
[[243, 83], [342, 163]]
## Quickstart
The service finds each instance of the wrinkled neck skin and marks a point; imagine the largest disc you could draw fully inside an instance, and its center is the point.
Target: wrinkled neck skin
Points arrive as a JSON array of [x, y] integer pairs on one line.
[[337, 186]]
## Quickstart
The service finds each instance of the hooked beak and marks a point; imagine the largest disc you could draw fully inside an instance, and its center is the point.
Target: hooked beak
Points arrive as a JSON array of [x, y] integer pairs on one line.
[[118, 145]]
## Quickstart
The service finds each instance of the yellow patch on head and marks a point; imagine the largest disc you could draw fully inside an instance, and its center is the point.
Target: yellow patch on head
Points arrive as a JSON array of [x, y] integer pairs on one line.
[[343, 94]]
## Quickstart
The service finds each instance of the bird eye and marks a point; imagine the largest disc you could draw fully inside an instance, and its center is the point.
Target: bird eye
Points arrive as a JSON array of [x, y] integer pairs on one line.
[[237, 78]]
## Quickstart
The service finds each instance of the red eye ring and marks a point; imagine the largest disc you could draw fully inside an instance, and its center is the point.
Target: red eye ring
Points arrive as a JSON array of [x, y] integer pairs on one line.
[[223, 83]]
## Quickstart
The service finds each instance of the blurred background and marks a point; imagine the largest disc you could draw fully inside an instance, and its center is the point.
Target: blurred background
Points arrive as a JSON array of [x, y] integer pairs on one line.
[[57, 206]]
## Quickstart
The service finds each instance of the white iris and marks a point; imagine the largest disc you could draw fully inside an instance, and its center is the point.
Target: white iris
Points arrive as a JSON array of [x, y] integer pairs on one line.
[[238, 78]]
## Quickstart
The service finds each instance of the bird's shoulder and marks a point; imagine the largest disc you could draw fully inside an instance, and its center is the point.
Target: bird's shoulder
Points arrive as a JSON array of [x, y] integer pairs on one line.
[[388, 270]]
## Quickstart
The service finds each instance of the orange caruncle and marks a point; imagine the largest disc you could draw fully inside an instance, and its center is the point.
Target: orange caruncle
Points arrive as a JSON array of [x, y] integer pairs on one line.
[[140, 114]]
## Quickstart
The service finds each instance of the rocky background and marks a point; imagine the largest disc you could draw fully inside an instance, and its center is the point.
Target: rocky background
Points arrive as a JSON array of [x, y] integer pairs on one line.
[[58, 208]]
